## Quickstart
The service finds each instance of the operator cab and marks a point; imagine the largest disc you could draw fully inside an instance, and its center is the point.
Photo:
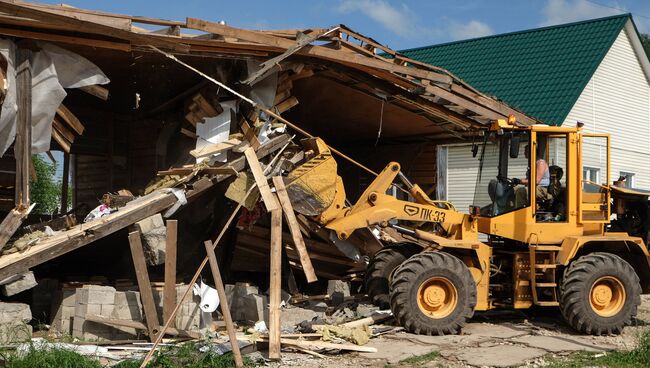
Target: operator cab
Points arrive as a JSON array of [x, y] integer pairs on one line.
[[506, 167]]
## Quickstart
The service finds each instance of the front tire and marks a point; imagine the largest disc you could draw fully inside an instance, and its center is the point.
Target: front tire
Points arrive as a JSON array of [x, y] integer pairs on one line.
[[600, 293], [433, 293], [380, 271]]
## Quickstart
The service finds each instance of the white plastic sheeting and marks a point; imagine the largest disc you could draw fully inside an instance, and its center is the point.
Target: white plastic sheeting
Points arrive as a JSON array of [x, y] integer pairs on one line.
[[53, 70]]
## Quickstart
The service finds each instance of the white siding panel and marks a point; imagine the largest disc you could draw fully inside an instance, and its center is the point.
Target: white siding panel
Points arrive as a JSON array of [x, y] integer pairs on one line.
[[617, 101], [462, 171], [462, 174]]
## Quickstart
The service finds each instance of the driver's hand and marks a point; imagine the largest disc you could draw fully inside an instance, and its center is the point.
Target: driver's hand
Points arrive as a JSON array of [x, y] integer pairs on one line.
[[516, 181]]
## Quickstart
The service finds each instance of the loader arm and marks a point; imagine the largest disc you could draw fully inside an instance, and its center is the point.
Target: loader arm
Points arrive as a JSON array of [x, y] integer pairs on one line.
[[375, 207]]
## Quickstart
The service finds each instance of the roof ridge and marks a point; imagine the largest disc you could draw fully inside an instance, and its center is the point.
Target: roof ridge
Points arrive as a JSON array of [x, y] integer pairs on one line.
[[531, 30]]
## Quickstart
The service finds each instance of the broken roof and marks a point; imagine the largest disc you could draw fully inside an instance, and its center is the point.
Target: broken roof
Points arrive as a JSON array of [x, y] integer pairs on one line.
[[416, 99]]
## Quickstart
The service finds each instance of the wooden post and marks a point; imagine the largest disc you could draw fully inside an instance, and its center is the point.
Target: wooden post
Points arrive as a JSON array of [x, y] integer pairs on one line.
[[275, 282], [225, 309], [294, 228], [169, 293], [23, 145], [144, 285], [64, 183]]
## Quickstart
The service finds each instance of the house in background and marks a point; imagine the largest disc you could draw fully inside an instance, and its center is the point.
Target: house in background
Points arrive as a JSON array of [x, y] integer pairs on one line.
[[595, 72]]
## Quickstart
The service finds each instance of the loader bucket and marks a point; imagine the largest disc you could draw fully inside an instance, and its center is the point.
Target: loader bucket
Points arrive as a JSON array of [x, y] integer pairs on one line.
[[312, 185]]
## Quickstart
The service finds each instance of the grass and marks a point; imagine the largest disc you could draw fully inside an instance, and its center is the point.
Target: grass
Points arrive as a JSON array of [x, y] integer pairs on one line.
[[60, 358], [637, 358], [415, 360], [181, 356]]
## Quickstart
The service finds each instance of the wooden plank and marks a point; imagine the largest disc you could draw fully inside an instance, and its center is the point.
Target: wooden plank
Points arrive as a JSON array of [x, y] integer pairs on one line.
[[8, 227], [318, 51], [169, 293], [137, 210], [22, 10], [144, 285], [139, 325], [286, 105], [62, 129], [273, 64], [70, 119], [23, 144], [319, 345], [262, 184], [294, 228], [214, 148], [60, 139], [225, 309], [97, 91], [275, 281], [249, 134], [65, 39]]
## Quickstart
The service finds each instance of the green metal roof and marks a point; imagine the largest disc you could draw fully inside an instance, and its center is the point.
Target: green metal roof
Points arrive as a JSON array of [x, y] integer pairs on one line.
[[541, 72]]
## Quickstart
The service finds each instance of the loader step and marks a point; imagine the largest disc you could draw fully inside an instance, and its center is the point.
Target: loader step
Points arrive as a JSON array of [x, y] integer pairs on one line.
[[545, 266], [548, 304], [547, 247], [546, 284]]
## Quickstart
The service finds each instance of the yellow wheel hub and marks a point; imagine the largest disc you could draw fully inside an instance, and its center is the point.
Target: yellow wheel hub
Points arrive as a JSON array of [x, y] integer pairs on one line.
[[607, 296], [437, 297]]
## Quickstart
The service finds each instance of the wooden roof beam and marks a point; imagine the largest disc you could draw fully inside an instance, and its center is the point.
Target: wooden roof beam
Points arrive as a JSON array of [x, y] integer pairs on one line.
[[315, 51], [22, 10]]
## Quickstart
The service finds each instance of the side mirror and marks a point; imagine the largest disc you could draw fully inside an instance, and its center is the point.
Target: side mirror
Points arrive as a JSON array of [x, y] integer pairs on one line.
[[514, 146], [474, 149]]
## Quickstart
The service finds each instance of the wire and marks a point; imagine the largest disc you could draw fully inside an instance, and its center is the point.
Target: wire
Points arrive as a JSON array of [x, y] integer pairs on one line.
[[616, 8]]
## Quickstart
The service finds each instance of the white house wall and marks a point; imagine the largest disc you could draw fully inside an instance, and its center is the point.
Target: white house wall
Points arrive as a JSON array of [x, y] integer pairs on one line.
[[617, 101]]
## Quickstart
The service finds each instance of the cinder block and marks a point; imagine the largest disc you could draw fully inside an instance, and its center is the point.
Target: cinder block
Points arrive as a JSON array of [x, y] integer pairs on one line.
[[14, 312], [338, 286], [153, 233], [255, 308], [25, 282]]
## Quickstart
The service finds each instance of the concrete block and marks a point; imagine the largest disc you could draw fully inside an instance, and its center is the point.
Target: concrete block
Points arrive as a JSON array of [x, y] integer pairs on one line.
[[153, 233], [236, 299], [15, 312], [95, 294], [255, 308], [338, 286], [25, 282], [13, 322]]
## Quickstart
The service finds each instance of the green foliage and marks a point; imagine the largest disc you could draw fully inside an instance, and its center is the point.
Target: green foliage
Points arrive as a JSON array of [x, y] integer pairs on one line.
[[637, 358], [60, 358], [45, 191]]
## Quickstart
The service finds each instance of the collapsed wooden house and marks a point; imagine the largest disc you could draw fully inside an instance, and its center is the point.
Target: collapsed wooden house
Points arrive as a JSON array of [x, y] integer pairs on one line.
[[360, 96]]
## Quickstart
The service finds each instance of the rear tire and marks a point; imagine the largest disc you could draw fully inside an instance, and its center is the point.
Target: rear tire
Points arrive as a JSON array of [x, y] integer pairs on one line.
[[433, 293], [380, 271], [600, 293]]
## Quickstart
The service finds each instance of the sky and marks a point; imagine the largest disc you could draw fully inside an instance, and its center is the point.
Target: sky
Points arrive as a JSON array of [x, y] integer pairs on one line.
[[398, 24]]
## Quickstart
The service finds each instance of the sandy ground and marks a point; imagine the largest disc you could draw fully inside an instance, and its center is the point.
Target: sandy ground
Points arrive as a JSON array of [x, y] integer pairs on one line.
[[492, 339]]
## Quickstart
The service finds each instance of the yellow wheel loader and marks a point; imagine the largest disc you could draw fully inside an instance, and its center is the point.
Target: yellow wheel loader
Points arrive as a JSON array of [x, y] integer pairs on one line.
[[541, 232]]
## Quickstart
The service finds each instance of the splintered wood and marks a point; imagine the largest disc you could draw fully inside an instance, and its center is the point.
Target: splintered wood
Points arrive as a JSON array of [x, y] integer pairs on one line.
[[262, 184], [294, 228], [275, 283]]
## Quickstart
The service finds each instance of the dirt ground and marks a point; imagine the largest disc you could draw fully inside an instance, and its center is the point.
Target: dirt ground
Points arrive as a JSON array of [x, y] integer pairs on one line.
[[491, 339]]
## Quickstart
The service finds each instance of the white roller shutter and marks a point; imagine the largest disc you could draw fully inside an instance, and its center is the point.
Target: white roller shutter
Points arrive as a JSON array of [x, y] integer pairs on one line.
[[462, 170]]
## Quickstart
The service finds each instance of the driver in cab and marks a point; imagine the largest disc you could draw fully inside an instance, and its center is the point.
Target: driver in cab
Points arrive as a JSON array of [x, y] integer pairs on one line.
[[542, 179]]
